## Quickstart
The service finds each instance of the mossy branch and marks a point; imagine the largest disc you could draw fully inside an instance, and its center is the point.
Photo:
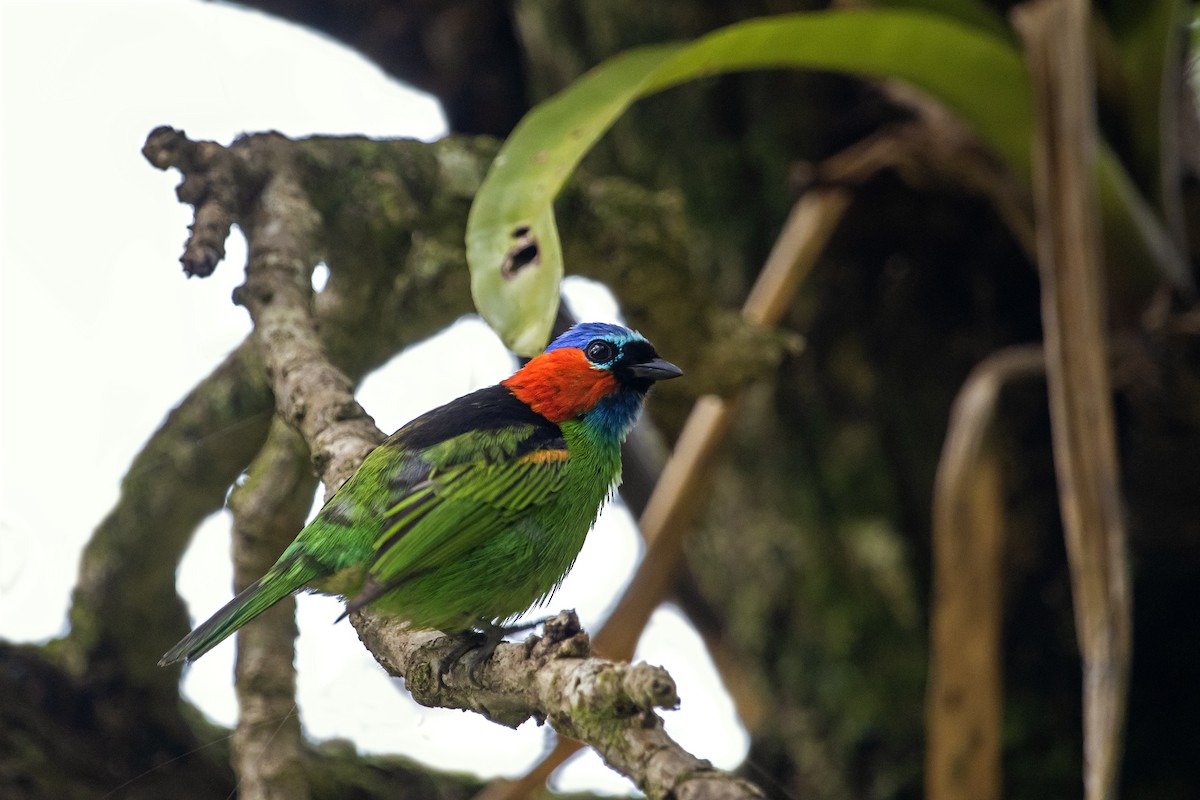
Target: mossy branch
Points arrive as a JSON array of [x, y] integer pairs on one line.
[[268, 507]]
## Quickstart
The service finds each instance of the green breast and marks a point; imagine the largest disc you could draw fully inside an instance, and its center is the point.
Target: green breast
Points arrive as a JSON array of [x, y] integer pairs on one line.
[[523, 563]]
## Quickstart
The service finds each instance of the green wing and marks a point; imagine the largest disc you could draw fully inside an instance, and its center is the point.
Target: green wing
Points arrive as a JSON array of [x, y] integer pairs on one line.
[[456, 494]]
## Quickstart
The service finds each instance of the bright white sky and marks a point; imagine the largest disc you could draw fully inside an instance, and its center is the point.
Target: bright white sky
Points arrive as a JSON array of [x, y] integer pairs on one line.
[[91, 294]]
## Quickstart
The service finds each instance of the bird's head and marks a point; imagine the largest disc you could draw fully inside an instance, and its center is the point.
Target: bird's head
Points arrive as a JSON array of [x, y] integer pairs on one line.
[[593, 369]]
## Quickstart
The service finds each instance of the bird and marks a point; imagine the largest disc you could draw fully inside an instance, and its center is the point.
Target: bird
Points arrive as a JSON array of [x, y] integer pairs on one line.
[[474, 512]]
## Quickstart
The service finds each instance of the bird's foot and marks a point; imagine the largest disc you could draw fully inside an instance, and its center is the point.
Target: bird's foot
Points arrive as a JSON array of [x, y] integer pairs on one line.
[[467, 641], [480, 643]]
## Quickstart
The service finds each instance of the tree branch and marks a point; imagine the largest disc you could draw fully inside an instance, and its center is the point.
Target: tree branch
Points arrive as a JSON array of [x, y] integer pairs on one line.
[[125, 612], [209, 185], [268, 508], [606, 704], [575, 694]]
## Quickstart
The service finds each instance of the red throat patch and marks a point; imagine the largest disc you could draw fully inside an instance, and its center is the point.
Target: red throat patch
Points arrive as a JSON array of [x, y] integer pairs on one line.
[[561, 385]]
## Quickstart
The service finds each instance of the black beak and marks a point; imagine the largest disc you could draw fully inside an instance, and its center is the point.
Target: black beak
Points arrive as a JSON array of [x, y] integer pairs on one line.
[[656, 369]]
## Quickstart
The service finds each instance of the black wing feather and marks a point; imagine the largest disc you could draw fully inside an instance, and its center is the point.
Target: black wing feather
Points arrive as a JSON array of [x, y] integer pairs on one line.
[[483, 410]]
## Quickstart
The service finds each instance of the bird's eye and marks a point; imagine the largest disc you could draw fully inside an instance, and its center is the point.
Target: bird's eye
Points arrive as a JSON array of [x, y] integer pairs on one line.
[[599, 351]]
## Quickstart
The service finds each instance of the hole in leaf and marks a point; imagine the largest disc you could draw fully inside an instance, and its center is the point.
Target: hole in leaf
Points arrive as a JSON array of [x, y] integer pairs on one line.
[[523, 253]]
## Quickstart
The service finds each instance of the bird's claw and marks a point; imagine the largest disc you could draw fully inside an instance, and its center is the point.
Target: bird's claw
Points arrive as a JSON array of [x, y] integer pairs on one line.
[[480, 644], [467, 641], [477, 657]]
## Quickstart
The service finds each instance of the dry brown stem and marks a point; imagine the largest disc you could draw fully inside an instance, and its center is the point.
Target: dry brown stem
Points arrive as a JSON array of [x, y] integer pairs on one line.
[[965, 695], [1077, 374]]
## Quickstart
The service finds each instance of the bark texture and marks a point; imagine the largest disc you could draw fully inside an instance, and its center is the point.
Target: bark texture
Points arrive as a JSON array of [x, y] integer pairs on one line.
[[606, 704], [268, 507]]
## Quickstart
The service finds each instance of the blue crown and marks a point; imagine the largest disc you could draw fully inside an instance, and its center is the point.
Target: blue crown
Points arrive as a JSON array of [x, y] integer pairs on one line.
[[579, 335]]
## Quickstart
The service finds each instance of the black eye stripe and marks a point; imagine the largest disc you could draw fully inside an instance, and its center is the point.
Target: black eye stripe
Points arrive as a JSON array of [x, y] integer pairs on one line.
[[638, 352]]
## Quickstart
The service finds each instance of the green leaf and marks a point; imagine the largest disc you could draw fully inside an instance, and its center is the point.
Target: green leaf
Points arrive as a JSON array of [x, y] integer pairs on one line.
[[512, 242], [1137, 248], [1148, 39], [1142, 237], [972, 12]]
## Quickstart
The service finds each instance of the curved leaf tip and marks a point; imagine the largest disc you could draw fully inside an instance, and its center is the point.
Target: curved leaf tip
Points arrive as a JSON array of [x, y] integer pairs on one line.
[[517, 291]]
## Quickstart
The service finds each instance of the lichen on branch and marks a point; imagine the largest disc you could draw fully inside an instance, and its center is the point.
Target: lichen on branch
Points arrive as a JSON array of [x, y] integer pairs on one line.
[[551, 678]]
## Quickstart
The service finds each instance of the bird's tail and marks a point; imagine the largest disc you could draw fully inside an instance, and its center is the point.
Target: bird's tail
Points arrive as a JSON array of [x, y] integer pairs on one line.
[[249, 603]]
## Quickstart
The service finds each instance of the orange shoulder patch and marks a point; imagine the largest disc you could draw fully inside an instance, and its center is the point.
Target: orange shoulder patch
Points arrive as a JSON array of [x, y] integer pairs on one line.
[[544, 456]]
